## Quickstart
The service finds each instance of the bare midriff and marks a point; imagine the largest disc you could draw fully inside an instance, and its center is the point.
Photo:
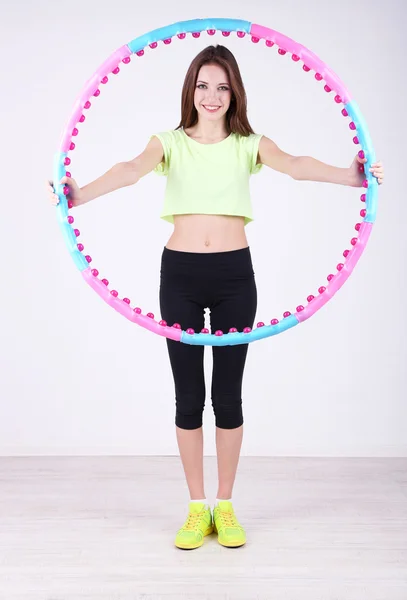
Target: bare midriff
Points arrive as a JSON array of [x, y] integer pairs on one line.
[[207, 233]]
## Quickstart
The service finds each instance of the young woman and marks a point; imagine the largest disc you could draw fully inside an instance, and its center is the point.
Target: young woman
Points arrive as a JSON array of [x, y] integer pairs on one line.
[[206, 263]]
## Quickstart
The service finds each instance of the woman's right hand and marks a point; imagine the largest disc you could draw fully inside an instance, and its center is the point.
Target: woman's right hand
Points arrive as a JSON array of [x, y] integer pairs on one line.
[[74, 191]]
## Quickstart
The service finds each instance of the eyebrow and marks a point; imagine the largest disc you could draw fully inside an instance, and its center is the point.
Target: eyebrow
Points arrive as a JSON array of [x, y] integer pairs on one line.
[[206, 83]]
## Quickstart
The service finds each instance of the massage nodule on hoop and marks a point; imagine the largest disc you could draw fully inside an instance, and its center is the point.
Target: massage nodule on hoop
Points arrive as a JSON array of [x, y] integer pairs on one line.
[[332, 85]]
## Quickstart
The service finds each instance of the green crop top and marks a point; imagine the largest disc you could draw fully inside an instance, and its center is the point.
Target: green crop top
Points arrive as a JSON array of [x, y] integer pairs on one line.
[[210, 179]]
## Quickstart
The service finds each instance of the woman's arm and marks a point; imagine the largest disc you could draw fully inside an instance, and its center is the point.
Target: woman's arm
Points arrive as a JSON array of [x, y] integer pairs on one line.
[[306, 168], [122, 174]]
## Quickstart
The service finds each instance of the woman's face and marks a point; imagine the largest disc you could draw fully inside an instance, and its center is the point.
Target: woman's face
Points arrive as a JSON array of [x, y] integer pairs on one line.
[[212, 93]]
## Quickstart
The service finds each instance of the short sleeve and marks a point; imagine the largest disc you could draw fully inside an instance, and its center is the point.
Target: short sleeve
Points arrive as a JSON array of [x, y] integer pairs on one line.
[[165, 138], [253, 142]]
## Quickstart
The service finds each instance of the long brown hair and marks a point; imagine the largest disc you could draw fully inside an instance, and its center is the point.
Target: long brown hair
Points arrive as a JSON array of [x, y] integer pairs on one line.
[[236, 116]]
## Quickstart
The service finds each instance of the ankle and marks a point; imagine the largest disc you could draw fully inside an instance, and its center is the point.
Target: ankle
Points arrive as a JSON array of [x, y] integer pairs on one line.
[[220, 496], [222, 500]]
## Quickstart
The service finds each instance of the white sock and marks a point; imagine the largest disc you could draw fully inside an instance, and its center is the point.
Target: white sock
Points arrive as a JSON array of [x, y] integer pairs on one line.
[[221, 500], [203, 500]]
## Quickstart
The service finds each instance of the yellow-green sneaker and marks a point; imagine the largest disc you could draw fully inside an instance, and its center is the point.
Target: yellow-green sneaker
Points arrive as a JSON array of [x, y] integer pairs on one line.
[[230, 532], [196, 527]]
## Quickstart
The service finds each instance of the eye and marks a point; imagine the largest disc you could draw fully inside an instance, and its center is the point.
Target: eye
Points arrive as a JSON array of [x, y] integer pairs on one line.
[[200, 86], [224, 88]]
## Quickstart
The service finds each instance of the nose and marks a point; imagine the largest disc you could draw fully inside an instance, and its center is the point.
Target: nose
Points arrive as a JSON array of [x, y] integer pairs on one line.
[[212, 98]]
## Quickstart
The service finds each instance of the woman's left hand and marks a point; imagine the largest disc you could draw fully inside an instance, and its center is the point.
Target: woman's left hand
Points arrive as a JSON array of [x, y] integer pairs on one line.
[[357, 173]]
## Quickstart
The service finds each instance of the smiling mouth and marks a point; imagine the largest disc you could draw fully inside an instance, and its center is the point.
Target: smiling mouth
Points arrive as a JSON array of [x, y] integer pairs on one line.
[[210, 108]]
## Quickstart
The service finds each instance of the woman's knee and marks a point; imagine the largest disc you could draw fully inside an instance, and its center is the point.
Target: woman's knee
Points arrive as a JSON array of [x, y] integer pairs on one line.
[[189, 409], [228, 411]]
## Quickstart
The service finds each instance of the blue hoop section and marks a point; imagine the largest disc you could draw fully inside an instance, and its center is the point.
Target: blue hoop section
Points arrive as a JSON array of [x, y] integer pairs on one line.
[[193, 26], [62, 214], [365, 141], [233, 339]]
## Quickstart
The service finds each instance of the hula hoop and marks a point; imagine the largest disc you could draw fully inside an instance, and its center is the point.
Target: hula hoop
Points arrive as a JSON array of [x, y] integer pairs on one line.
[[342, 97]]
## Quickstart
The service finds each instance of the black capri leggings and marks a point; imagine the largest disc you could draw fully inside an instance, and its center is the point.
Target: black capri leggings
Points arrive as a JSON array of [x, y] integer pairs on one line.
[[223, 282]]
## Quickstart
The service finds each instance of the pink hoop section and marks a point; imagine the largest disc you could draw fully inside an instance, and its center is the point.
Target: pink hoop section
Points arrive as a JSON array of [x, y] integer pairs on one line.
[[125, 309], [309, 58], [339, 279], [90, 88]]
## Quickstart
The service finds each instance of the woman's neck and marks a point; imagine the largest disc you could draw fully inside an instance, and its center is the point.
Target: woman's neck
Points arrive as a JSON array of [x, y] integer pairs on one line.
[[207, 131]]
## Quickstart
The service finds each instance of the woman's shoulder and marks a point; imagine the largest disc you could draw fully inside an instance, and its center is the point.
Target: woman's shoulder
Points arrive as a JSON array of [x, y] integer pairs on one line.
[[247, 141], [244, 137], [169, 138], [171, 133]]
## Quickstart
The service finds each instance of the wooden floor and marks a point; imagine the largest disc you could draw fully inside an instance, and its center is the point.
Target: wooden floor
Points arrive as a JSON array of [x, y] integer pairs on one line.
[[103, 528]]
